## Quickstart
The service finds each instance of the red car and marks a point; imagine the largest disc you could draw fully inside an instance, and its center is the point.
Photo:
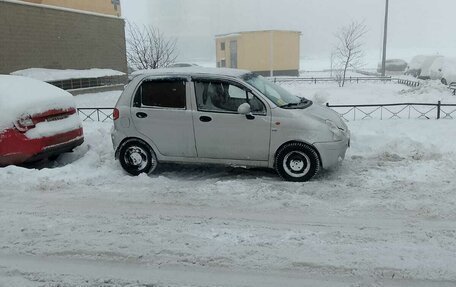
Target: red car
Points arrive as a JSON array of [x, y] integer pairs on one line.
[[37, 121]]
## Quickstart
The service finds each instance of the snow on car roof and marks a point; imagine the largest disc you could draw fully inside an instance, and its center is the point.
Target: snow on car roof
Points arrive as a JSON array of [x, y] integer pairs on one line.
[[194, 70], [21, 95]]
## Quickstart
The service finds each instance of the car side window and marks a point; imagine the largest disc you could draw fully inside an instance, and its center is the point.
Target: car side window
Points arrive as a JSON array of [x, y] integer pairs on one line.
[[219, 96], [161, 93]]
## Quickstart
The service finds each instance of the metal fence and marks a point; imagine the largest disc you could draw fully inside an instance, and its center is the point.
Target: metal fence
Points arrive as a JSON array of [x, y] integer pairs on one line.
[[73, 84], [452, 87], [96, 114], [396, 111], [360, 79], [347, 112], [316, 80]]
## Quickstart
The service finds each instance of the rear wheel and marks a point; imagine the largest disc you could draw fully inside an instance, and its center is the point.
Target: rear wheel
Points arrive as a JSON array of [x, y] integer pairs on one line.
[[137, 157], [297, 162]]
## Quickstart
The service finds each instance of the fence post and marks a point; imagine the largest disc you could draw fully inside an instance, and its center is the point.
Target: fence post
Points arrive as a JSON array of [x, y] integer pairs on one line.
[[438, 109]]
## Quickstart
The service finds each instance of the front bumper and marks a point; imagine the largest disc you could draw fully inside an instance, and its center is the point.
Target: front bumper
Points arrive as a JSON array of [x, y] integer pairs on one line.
[[331, 153]]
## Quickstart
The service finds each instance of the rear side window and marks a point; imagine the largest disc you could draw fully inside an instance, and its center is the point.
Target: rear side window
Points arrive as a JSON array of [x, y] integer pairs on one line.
[[161, 93]]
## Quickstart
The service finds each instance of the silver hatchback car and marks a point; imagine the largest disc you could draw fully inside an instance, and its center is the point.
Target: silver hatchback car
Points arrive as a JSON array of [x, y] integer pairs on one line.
[[223, 116]]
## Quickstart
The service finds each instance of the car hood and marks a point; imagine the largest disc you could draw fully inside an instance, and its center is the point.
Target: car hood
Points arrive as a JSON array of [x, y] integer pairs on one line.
[[321, 113]]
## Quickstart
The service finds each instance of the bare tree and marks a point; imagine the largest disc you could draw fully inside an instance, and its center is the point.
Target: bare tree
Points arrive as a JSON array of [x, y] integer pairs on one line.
[[349, 53], [148, 48]]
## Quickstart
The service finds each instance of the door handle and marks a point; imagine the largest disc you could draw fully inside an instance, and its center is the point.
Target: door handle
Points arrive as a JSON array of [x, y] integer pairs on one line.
[[141, 115], [205, 119], [250, 117]]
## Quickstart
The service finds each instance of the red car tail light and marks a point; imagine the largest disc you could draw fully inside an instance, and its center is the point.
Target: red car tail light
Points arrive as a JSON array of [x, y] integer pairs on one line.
[[24, 123], [115, 114]]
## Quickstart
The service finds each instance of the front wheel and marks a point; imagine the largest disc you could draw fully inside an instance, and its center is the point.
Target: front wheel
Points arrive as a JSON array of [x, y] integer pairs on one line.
[[297, 162], [136, 157]]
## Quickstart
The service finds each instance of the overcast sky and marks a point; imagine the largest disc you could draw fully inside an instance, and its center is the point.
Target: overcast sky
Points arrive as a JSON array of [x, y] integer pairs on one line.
[[416, 26]]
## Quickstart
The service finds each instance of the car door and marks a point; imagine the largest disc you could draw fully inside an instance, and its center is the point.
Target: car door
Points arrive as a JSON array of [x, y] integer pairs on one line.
[[220, 131], [161, 112]]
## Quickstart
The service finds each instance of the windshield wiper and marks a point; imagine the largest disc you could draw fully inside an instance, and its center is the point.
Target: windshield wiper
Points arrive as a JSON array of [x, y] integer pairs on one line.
[[289, 105]]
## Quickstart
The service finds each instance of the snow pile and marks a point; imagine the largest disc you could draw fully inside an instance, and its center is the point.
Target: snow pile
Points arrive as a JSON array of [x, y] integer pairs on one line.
[[444, 68], [429, 91], [49, 75], [321, 97], [24, 96]]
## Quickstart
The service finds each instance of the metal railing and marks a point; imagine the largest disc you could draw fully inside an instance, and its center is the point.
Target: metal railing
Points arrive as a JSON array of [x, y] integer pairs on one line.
[[83, 83], [360, 79], [96, 114], [396, 111], [316, 80], [407, 82], [347, 112], [452, 87]]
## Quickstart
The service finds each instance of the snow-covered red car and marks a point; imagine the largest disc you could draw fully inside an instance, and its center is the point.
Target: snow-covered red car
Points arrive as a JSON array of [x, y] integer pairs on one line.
[[37, 121]]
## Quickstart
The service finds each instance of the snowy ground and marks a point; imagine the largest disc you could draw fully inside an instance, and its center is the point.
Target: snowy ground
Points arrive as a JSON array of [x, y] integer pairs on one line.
[[327, 92], [384, 218]]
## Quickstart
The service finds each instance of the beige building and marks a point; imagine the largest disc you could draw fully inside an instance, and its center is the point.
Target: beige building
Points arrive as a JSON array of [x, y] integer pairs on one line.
[[108, 7], [267, 53]]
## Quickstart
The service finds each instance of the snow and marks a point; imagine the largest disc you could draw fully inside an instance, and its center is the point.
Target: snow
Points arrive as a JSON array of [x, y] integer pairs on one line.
[[372, 92], [46, 129], [384, 218], [20, 96], [49, 75], [98, 100], [444, 67], [194, 70]]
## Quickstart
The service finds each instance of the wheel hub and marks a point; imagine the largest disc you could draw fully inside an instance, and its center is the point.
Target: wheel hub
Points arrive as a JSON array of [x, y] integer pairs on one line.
[[296, 164], [136, 157]]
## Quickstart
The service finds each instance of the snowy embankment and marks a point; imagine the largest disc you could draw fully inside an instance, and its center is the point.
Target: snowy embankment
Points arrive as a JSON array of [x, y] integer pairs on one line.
[[386, 216], [49, 75]]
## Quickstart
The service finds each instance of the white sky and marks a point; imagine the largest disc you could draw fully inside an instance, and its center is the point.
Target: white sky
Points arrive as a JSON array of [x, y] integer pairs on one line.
[[416, 26]]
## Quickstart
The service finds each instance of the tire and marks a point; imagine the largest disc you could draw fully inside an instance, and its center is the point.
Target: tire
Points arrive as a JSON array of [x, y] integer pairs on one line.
[[136, 157], [297, 162], [444, 81]]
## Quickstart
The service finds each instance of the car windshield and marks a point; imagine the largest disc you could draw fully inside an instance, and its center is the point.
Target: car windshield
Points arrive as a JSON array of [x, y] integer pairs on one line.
[[275, 93]]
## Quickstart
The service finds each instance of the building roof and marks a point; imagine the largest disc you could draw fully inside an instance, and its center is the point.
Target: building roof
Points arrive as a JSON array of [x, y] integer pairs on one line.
[[235, 34]]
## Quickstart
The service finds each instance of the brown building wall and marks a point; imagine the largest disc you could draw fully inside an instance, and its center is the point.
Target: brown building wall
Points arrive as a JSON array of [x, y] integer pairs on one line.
[[38, 37], [97, 6]]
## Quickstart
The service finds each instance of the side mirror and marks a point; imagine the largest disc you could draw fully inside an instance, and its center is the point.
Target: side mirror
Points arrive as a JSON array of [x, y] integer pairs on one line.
[[244, 109]]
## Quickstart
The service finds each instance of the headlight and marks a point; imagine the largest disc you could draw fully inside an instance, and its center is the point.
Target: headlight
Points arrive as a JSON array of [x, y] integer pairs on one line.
[[337, 132]]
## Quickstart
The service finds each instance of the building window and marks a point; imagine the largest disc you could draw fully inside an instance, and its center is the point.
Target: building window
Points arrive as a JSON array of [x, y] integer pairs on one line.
[[222, 46], [116, 3], [223, 63]]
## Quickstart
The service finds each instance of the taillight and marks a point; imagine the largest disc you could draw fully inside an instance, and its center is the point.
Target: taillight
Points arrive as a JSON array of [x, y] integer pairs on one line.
[[24, 123], [115, 114]]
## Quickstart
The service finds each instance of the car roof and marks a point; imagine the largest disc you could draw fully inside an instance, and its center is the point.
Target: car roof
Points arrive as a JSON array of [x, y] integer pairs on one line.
[[192, 71]]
